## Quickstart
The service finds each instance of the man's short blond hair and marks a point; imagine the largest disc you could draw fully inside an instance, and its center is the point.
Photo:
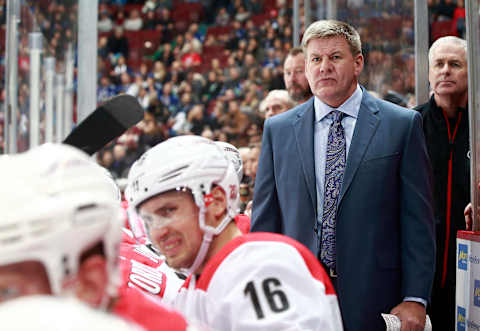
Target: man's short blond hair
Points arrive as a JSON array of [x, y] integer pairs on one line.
[[324, 29]]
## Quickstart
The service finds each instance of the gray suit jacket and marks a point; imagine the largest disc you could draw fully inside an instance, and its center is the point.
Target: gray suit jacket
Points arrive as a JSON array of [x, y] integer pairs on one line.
[[384, 232]]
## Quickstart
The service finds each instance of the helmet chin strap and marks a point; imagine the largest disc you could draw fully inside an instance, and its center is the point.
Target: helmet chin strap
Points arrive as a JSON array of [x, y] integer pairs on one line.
[[206, 241], [208, 234]]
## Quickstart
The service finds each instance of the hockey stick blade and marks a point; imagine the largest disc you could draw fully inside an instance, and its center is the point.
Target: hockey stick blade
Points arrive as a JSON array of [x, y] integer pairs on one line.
[[107, 122]]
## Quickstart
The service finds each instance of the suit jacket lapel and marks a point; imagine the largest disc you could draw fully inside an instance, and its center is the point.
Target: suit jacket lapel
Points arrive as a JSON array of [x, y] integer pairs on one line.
[[367, 123], [303, 127]]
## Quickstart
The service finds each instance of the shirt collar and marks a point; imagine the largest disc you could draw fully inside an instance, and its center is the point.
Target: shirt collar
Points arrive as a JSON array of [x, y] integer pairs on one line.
[[350, 107]]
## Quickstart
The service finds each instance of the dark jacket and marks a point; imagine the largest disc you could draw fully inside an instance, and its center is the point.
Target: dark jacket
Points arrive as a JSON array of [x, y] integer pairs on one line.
[[447, 141]]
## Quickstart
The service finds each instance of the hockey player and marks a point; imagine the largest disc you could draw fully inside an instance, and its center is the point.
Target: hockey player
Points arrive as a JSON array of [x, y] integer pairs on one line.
[[141, 265], [60, 235], [186, 191]]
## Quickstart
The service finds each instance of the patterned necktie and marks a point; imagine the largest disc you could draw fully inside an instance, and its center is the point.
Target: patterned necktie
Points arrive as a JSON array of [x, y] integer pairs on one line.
[[334, 169]]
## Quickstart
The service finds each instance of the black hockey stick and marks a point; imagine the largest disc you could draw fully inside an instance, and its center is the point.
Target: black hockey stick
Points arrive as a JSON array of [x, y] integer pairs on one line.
[[106, 123]]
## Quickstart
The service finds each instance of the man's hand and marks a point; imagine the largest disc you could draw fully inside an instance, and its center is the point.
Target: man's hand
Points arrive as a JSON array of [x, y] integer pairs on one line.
[[412, 314], [468, 217]]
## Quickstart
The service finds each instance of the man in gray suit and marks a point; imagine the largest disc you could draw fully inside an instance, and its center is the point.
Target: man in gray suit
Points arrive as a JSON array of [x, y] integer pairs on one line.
[[348, 175]]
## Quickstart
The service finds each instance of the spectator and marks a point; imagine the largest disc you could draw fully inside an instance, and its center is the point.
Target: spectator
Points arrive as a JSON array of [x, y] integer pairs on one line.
[[120, 17], [276, 102], [186, 102], [222, 17], [207, 133], [212, 88], [215, 66], [294, 76], [106, 159], [445, 123], [234, 81], [169, 98], [118, 165], [150, 5], [165, 54], [120, 67], [197, 119], [102, 47], [254, 131], [459, 18], [106, 90], [150, 22], [153, 130], [272, 78], [254, 6], [105, 23], [144, 71], [134, 22], [445, 10], [164, 17], [248, 63], [252, 161], [235, 124], [159, 73], [144, 97], [241, 14], [250, 101], [191, 44], [125, 81], [117, 44], [271, 61]]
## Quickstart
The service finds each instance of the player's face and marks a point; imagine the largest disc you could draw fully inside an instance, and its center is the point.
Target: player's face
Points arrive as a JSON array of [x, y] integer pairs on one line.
[[295, 79], [23, 278], [332, 70], [172, 222], [448, 72]]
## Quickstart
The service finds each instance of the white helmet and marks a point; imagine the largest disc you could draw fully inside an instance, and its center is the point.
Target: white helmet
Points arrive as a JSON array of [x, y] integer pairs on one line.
[[191, 162], [46, 312], [233, 155], [58, 204]]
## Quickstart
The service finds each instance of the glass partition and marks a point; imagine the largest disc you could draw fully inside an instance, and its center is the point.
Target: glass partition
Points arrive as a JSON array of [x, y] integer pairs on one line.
[[41, 39], [473, 39], [387, 32]]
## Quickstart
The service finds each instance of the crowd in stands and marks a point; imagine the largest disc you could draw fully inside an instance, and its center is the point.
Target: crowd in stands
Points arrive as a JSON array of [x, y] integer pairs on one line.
[[207, 74], [203, 67]]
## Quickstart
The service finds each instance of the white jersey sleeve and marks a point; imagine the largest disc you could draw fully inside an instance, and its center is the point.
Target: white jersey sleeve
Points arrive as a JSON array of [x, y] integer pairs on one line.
[[265, 285]]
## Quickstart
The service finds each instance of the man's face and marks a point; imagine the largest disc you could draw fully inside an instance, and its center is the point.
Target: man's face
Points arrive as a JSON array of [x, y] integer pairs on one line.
[[448, 72], [253, 162], [295, 79], [23, 278], [172, 222], [274, 106], [332, 70]]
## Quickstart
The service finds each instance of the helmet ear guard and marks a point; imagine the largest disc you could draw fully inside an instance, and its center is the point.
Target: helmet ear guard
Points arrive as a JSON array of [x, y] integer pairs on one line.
[[233, 155]]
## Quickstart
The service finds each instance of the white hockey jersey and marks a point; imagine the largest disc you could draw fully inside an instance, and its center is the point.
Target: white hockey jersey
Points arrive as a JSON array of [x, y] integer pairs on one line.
[[262, 281]]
